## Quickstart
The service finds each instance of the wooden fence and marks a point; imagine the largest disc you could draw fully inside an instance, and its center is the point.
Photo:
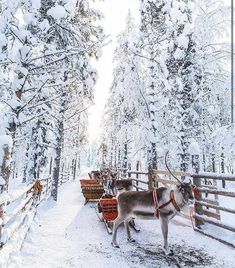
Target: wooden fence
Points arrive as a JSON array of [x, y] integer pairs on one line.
[[206, 209], [140, 184], [17, 212]]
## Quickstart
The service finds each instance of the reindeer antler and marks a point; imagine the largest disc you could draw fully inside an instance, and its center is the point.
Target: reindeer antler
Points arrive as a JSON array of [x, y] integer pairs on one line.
[[169, 168]]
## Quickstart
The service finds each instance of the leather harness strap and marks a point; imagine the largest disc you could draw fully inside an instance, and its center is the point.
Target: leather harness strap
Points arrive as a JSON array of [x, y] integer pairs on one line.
[[171, 200]]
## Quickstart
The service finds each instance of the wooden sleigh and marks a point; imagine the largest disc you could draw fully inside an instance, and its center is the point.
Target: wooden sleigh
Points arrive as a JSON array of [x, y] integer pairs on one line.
[[109, 209], [92, 190]]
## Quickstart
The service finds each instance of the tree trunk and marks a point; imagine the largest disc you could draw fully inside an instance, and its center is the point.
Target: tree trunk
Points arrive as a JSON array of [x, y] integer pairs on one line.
[[75, 167], [222, 167], [5, 168], [57, 163], [125, 158], [195, 163], [154, 156], [58, 151]]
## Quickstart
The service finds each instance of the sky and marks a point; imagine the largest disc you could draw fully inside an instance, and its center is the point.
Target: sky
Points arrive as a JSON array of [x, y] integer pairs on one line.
[[115, 12]]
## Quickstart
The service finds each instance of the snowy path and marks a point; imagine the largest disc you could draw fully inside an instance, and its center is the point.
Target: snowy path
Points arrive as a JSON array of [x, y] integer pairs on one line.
[[69, 234]]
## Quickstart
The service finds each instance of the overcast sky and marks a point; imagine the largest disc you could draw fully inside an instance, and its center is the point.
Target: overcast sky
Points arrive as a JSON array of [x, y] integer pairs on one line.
[[115, 12]]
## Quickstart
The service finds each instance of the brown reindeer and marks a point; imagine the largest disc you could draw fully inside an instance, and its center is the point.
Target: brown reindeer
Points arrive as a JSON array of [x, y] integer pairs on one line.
[[37, 190], [95, 175], [119, 186], [162, 203]]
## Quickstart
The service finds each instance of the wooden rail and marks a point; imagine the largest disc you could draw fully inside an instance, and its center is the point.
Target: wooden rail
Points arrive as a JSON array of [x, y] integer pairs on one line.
[[139, 188], [203, 204], [27, 200], [216, 223], [137, 172], [217, 192], [17, 212], [144, 182], [214, 176], [139, 181], [206, 204], [176, 173]]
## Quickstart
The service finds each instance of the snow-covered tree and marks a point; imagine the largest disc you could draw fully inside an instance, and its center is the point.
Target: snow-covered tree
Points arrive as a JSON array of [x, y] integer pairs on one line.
[[125, 107], [153, 38], [47, 50], [213, 57], [177, 82]]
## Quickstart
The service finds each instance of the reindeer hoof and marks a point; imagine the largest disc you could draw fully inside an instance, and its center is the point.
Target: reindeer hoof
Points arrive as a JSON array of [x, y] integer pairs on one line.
[[115, 245], [131, 240]]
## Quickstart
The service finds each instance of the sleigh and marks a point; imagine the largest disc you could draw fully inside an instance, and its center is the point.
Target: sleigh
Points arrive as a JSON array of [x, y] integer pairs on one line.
[[109, 209], [91, 189]]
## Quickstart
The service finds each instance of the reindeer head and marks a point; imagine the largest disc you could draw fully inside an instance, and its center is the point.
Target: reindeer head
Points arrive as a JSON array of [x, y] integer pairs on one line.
[[95, 174], [185, 188], [124, 185]]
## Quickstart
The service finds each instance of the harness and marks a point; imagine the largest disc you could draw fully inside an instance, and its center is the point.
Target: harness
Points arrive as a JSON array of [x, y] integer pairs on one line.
[[157, 207]]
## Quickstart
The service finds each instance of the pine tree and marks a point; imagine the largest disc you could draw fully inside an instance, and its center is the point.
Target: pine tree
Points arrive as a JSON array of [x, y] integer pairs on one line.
[[52, 46], [172, 75], [153, 35], [125, 107], [212, 59]]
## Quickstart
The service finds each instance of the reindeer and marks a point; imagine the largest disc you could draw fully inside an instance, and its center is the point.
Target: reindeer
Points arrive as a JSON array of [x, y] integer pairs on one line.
[[162, 203], [37, 190], [95, 175], [119, 186]]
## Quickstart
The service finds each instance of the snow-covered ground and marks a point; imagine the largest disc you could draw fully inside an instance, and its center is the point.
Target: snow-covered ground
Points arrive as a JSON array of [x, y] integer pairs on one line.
[[69, 234]]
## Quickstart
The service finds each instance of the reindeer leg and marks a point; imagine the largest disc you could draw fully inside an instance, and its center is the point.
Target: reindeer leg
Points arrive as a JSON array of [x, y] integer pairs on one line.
[[164, 226], [128, 232], [116, 224]]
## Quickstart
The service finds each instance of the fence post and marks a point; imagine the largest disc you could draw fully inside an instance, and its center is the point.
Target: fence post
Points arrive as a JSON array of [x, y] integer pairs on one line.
[[197, 194], [214, 181]]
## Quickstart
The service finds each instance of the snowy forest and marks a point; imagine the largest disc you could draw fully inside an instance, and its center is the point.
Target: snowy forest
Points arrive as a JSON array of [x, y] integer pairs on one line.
[[171, 92], [171, 88], [47, 84]]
